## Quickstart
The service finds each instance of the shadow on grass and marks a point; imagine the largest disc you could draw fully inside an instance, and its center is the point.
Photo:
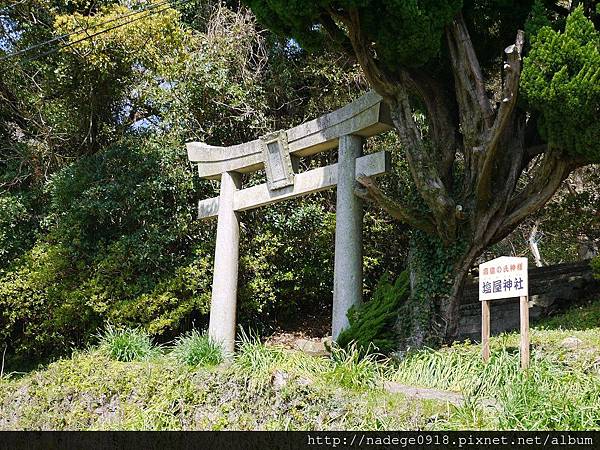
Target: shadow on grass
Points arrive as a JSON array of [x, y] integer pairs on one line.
[[18, 366]]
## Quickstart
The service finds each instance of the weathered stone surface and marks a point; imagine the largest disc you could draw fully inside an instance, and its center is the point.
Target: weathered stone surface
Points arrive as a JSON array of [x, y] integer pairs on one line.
[[279, 379], [454, 398], [345, 128], [314, 348], [348, 270], [571, 343], [212, 160], [224, 293], [278, 163], [366, 116], [305, 183]]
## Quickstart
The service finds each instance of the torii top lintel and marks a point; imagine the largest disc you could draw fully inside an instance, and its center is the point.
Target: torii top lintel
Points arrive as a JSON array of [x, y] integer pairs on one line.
[[366, 116]]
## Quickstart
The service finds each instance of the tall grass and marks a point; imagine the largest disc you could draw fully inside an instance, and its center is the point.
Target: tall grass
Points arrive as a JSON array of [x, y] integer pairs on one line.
[[128, 344], [459, 368], [345, 367], [552, 394], [259, 362], [351, 367], [197, 349]]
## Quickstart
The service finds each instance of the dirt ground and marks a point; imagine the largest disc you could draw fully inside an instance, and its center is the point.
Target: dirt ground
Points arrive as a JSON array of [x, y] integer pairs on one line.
[[311, 327]]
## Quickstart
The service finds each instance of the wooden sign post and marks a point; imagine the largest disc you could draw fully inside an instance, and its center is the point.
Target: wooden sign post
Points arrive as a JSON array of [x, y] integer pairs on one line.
[[504, 277]]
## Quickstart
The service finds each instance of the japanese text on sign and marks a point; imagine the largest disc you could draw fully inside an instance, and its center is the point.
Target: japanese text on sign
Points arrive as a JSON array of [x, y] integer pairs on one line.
[[503, 277]]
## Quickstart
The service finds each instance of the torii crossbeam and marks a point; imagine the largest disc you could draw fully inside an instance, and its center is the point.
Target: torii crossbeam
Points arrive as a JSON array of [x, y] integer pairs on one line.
[[346, 129]]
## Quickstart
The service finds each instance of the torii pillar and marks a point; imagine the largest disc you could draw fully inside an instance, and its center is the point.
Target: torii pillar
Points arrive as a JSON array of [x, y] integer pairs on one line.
[[348, 265], [221, 327]]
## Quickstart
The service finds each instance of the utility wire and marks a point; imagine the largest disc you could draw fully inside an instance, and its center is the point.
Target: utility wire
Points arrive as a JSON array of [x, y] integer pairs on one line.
[[83, 30]]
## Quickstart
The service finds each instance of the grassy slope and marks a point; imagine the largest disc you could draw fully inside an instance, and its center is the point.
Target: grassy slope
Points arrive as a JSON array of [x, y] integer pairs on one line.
[[269, 388]]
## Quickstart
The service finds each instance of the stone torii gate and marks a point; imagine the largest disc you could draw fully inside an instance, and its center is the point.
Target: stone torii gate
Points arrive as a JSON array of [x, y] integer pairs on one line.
[[346, 129]]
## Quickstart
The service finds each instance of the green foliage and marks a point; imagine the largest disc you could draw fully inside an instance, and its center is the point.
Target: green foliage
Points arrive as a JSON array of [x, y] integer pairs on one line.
[[493, 24], [405, 33], [123, 246], [526, 400], [271, 388], [15, 226], [347, 367], [372, 324], [352, 369], [97, 211], [538, 19], [31, 315], [561, 81], [196, 349], [570, 219], [287, 259], [93, 392], [129, 344], [432, 264]]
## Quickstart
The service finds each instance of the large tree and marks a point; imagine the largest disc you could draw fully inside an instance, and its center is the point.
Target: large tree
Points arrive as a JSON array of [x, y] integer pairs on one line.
[[495, 102]]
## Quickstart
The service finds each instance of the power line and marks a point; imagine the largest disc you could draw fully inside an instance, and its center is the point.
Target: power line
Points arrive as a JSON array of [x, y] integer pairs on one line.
[[84, 30]]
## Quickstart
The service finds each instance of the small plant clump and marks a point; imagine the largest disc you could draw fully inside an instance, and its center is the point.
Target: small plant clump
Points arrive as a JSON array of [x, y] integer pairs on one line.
[[197, 349], [372, 323], [128, 344], [351, 368], [595, 263]]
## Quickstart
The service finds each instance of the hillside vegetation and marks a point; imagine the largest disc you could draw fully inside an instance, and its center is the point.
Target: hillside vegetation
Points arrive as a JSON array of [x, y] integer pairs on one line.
[[270, 388]]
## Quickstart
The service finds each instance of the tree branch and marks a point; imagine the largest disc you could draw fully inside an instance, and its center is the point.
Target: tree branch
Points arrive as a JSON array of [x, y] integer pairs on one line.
[[544, 183], [423, 168], [422, 160], [532, 152], [443, 127], [503, 118], [375, 76], [476, 111], [368, 190], [335, 33]]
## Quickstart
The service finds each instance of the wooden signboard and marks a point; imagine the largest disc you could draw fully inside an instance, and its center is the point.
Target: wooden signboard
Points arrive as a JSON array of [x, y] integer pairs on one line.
[[504, 277]]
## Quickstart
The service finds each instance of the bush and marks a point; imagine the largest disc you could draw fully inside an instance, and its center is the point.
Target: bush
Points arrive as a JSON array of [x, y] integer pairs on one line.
[[372, 323], [196, 349], [129, 344], [16, 226], [122, 246]]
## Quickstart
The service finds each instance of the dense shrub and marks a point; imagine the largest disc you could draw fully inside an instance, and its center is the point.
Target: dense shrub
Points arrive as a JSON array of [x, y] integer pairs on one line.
[[372, 323], [123, 246], [98, 200], [16, 227]]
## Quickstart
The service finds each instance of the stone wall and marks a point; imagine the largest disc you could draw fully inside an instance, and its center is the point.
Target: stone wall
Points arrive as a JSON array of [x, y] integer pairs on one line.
[[551, 289]]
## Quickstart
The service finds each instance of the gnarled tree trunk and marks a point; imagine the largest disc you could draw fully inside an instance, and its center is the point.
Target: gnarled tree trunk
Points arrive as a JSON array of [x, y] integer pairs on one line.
[[481, 148]]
